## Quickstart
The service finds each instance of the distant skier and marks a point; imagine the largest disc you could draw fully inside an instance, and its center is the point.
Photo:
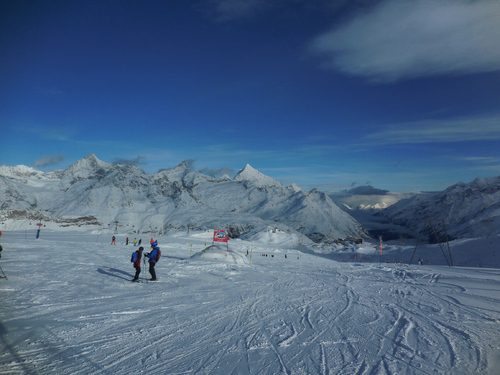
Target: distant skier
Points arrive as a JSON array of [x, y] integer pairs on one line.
[[154, 257], [126, 241], [135, 241], [136, 259], [113, 239], [140, 240]]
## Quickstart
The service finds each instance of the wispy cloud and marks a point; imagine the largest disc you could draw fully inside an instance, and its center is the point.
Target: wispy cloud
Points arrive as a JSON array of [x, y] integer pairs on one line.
[[225, 10], [410, 38], [438, 131], [139, 160], [49, 133], [217, 172], [490, 164], [479, 159], [45, 161], [229, 10]]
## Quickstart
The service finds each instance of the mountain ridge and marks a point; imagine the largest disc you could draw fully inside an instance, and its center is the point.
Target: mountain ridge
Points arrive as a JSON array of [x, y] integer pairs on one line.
[[175, 199], [467, 209]]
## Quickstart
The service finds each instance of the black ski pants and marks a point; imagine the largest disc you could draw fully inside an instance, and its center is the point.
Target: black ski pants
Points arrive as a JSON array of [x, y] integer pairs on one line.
[[152, 270], [137, 272]]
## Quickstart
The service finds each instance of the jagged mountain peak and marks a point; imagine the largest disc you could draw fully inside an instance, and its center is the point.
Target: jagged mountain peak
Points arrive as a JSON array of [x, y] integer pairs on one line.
[[87, 167], [177, 173], [255, 177]]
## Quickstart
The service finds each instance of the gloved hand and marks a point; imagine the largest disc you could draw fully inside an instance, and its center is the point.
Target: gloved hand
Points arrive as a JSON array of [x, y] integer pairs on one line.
[[147, 254]]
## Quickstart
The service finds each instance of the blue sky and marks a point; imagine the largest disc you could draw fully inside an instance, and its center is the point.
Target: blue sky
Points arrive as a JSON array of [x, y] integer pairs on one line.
[[403, 95]]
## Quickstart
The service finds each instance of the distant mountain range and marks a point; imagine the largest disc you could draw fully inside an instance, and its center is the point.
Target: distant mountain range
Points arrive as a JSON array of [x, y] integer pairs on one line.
[[467, 210], [127, 199]]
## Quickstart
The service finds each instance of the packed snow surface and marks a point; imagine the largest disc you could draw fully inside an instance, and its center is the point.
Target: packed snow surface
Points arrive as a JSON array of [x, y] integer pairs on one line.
[[256, 307]]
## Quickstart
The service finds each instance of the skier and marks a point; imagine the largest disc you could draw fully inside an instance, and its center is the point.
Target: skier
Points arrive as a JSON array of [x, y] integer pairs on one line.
[[126, 241], [153, 256], [136, 259], [113, 240], [135, 241], [140, 240]]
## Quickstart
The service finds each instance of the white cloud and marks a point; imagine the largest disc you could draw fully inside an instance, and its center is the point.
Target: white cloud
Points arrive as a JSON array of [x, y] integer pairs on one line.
[[456, 130], [409, 38]]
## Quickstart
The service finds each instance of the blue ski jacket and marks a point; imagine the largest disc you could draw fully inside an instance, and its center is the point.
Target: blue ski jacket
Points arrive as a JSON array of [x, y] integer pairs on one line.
[[153, 255]]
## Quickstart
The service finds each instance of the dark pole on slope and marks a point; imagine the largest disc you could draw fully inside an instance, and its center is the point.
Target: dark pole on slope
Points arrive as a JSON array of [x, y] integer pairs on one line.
[[439, 243], [419, 238], [1, 249], [448, 243], [4, 275]]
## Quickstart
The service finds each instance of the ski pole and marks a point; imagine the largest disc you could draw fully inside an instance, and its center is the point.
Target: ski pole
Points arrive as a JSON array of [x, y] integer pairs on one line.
[[4, 275]]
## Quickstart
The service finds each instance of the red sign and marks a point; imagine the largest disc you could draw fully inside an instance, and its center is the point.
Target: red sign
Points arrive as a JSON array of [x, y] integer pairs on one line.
[[220, 236]]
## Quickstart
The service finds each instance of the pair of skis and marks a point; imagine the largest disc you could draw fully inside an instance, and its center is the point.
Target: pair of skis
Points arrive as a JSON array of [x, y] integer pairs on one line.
[[141, 281]]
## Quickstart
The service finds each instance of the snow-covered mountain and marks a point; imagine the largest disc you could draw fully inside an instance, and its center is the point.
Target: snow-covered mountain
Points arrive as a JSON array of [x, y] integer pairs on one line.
[[128, 198], [468, 210]]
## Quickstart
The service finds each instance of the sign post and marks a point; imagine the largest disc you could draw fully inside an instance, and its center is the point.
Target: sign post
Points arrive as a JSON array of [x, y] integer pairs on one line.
[[220, 236]]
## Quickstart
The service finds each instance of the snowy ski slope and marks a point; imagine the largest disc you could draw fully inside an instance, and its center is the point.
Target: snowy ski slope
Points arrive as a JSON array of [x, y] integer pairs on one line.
[[68, 307]]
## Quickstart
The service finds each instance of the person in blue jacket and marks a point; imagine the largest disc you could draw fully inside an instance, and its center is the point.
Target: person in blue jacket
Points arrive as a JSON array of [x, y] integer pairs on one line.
[[136, 259], [153, 256]]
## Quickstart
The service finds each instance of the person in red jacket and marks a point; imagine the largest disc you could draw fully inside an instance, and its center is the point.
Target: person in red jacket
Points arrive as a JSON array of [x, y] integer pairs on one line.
[[136, 259]]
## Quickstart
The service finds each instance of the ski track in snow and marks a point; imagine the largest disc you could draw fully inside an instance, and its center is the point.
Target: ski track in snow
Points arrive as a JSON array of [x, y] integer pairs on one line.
[[69, 307]]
